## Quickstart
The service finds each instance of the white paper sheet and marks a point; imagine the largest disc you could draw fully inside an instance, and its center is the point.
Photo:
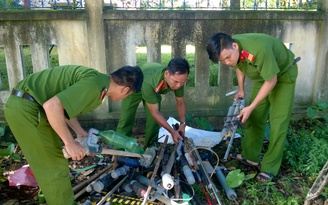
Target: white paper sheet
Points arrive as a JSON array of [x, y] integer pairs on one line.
[[201, 138]]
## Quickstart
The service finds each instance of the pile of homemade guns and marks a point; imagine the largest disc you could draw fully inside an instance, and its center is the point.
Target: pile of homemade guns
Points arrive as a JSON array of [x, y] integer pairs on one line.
[[166, 174]]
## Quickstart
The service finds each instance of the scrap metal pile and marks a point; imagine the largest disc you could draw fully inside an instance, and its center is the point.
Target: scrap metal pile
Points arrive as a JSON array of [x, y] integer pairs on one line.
[[159, 175]]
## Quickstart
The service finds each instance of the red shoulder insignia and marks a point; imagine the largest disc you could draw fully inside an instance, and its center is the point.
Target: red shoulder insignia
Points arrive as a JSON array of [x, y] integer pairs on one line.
[[160, 86], [244, 54], [103, 93]]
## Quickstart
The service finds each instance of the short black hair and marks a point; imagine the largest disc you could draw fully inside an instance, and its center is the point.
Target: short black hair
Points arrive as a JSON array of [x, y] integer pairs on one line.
[[216, 44], [179, 66], [129, 76]]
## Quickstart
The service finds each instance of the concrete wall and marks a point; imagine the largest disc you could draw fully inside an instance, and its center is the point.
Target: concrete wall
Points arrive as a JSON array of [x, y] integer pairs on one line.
[[178, 29], [106, 40]]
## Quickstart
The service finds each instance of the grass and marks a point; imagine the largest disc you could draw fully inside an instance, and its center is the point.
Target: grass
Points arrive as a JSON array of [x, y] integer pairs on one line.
[[26, 61], [305, 155], [3, 71]]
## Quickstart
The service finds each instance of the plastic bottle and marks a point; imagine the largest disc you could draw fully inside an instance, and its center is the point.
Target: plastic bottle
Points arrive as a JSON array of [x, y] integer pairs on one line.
[[120, 141]]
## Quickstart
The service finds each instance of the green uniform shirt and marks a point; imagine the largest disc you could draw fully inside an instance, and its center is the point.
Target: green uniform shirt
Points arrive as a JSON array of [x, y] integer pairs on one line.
[[78, 88], [271, 57], [153, 75]]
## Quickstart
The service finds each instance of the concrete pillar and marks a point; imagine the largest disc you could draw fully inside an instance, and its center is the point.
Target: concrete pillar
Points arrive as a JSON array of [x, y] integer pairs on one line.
[[202, 73], [178, 48], [321, 86], [40, 57], [154, 52], [322, 5], [14, 63], [234, 4], [96, 45], [153, 45], [96, 38]]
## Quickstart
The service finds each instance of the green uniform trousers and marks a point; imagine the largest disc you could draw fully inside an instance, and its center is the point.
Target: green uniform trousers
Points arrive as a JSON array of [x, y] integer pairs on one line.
[[278, 106], [129, 107], [42, 149]]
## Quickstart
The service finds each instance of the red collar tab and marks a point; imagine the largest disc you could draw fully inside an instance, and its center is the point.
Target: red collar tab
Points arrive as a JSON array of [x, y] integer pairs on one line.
[[160, 86], [103, 93], [245, 55]]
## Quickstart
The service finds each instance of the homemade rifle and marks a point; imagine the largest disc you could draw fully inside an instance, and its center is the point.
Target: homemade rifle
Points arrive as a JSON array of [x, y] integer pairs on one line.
[[210, 187], [159, 159], [231, 122]]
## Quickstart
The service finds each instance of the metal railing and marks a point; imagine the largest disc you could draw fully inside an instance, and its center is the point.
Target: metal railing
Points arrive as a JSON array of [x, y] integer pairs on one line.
[[41, 4], [166, 4]]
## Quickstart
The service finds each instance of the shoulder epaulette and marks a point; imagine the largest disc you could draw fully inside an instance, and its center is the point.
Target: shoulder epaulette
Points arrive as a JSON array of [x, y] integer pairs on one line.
[[160, 86], [103, 93], [245, 55]]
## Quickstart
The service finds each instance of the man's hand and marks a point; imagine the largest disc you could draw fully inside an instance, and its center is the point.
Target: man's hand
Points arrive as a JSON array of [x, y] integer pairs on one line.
[[176, 137], [239, 94], [245, 113], [182, 128], [266, 88], [75, 150], [82, 138]]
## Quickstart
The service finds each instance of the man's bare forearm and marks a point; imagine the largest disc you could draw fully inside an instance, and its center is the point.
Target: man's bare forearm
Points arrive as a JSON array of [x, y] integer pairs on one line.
[[55, 114], [182, 109], [76, 126]]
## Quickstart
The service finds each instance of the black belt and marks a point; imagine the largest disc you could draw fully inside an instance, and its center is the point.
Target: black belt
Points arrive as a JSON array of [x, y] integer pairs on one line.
[[22, 94]]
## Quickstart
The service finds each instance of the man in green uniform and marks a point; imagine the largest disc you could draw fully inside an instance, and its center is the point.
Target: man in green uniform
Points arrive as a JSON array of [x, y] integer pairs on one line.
[[40, 107], [159, 79], [273, 70]]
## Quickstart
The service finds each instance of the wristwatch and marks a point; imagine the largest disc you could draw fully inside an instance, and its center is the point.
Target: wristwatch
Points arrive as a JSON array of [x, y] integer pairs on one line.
[[182, 123]]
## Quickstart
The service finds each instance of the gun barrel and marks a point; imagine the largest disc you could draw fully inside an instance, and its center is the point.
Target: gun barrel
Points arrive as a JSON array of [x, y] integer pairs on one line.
[[231, 124], [231, 194]]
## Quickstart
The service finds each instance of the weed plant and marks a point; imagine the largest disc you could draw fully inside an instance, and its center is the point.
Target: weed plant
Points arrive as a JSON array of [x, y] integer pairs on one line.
[[307, 148], [305, 155]]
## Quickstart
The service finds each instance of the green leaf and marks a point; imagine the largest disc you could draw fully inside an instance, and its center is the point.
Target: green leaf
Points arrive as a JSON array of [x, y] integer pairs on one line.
[[2, 177], [325, 118], [8, 151], [11, 148], [235, 178], [311, 112], [249, 176], [322, 105], [4, 152], [16, 157]]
